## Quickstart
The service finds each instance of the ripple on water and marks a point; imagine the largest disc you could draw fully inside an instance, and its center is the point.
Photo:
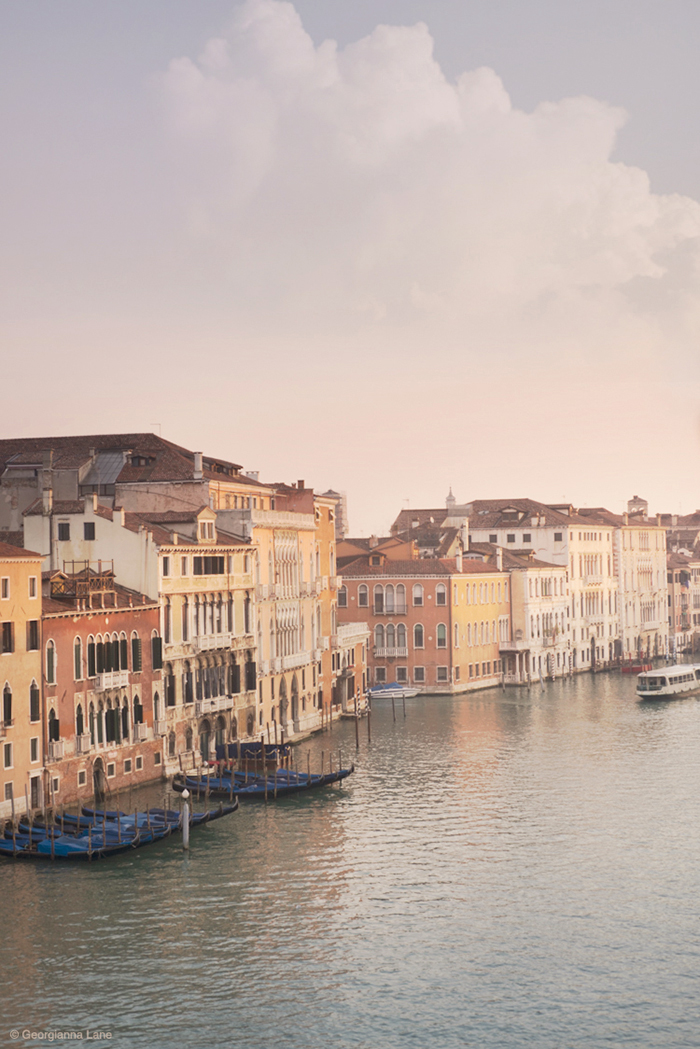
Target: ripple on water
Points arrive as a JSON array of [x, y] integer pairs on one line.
[[503, 869]]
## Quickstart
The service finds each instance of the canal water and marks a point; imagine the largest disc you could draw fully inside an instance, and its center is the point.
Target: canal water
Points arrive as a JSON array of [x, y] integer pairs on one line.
[[516, 868]]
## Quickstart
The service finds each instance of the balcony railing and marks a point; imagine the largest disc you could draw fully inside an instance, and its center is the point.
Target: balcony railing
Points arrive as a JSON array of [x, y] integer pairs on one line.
[[318, 652], [206, 642], [212, 706], [111, 679], [140, 733], [262, 591], [296, 659], [55, 750], [335, 581], [160, 727], [391, 653], [83, 743]]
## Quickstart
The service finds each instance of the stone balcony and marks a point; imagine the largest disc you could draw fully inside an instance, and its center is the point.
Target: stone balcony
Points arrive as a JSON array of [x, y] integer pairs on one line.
[[160, 727], [140, 733], [391, 653], [111, 679], [55, 750], [83, 743], [296, 659]]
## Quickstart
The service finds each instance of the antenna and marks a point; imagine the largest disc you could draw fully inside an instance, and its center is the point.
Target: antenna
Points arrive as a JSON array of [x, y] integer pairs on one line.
[[159, 428]]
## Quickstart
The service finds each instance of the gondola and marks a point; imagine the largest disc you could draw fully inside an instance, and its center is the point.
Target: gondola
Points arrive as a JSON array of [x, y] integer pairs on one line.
[[285, 783]]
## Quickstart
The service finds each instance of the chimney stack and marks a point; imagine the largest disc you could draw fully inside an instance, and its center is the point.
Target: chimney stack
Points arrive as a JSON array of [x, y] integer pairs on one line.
[[373, 541], [458, 558], [499, 558], [300, 485], [198, 466]]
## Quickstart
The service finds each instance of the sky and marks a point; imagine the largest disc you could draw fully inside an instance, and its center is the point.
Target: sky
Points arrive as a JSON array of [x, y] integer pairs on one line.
[[389, 247]]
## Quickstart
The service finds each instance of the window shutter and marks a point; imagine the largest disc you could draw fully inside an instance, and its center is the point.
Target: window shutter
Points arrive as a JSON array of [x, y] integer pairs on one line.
[[136, 663], [91, 660], [123, 653], [157, 652]]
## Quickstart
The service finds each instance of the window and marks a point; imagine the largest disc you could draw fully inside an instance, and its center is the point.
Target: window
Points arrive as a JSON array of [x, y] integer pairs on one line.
[[157, 652], [127, 766], [136, 658], [32, 586], [527, 538], [111, 770], [419, 675], [7, 755], [88, 530], [8, 792], [7, 638], [34, 702], [441, 636], [380, 675], [440, 594], [375, 559], [34, 749], [362, 596], [82, 779], [166, 566], [32, 635], [7, 706], [157, 758], [493, 538], [558, 536], [418, 595], [510, 537], [139, 763], [343, 597], [208, 566], [442, 674], [402, 675], [456, 635], [183, 566], [78, 659], [418, 636], [63, 531], [5, 589], [50, 663], [378, 599]]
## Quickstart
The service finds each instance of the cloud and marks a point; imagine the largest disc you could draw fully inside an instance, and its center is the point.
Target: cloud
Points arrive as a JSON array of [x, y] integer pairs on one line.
[[365, 189]]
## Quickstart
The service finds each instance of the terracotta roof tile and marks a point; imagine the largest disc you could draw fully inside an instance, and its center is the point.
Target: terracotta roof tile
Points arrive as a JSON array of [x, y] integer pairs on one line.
[[9, 550]]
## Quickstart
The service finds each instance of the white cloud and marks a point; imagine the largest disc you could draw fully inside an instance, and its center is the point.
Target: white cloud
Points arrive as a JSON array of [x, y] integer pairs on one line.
[[366, 188]]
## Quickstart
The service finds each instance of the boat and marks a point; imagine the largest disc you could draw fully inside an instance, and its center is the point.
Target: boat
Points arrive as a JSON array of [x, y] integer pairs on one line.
[[391, 690], [669, 682], [280, 785], [252, 751]]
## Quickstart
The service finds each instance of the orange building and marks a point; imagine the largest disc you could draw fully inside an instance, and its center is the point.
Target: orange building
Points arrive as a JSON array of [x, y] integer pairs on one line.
[[21, 736]]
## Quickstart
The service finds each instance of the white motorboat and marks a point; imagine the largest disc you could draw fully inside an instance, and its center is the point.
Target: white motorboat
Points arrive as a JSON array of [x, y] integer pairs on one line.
[[392, 690], [668, 682]]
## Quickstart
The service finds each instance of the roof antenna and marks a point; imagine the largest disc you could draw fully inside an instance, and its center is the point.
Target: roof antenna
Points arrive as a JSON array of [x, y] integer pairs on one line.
[[159, 428]]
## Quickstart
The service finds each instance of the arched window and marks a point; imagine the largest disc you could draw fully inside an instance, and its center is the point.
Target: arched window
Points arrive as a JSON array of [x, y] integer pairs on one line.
[[125, 720], [156, 650], [469, 629], [401, 635], [379, 636], [34, 702], [171, 745], [100, 723], [391, 636], [441, 636], [54, 727], [7, 705], [441, 594], [343, 597], [378, 599], [99, 655], [389, 598], [138, 711], [362, 596], [187, 683], [78, 659], [418, 594], [418, 636], [123, 651], [400, 598], [136, 656], [91, 724], [250, 724], [456, 635], [50, 663], [91, 664], [167, 621], [188, 739], [79, 721]]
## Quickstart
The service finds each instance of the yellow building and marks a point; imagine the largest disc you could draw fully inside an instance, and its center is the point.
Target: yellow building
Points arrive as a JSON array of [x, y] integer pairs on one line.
[[21, 734]]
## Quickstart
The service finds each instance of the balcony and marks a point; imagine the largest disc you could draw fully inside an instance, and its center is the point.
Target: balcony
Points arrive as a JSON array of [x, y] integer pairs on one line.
[[212, 706], [83, 743], [276, 665], [111, 679], [592, 579], [140, 733], [352, 633], [318, 652], [207, 642], [336, 582], [262, 591], [55, 750], [391, 653], [264, 667], [160, 727], [297, 659]]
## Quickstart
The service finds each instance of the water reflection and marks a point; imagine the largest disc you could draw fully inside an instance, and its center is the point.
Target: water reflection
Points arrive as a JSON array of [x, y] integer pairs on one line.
[[507, 868]]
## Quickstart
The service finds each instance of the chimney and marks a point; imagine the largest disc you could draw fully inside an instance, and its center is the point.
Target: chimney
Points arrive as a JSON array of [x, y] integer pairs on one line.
[[300, 486], [499, 558], [658, 519], [198, 466], [674, 520], [458, 559], [122, 516], [626, 518], [373, 541], [46, 481]]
